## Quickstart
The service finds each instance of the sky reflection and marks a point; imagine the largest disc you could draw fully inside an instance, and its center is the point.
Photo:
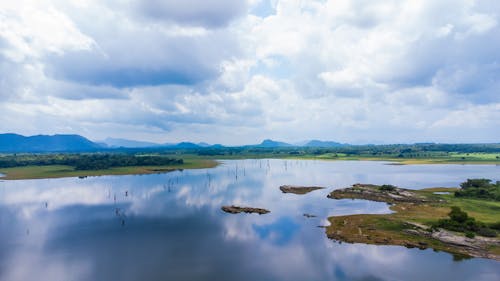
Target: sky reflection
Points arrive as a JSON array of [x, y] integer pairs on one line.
[[170, 226]]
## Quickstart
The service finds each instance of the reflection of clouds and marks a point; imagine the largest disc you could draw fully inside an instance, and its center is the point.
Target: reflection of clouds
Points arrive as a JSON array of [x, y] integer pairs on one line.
[[177, 216], [58, 194], [238, 229], [279, 232], [257, 183], [29, 265]]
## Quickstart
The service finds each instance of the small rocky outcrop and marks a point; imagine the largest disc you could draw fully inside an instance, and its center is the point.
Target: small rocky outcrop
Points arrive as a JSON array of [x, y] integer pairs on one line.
[[236, 210], [300, 190]]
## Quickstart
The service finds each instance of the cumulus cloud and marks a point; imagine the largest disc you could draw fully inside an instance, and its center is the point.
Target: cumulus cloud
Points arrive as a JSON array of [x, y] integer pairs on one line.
[[239, 71]]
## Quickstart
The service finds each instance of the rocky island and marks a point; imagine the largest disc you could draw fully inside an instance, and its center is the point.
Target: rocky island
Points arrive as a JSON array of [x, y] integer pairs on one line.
[[300, 190], [383, 193], [236, 210]]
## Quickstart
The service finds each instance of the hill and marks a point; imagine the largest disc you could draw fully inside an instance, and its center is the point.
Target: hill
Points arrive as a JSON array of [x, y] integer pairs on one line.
[[112, 142], [14, 143], [272, 143], [318, 143]]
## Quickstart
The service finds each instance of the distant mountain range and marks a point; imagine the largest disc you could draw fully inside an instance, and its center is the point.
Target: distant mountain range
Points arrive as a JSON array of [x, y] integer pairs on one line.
[[124, 143], [318, 143], [311, 143], [112, 142], [14, 143]]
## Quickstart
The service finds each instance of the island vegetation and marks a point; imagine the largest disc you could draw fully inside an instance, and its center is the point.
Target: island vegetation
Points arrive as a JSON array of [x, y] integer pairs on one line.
[[460, 221], [438, 218], [479, 188]]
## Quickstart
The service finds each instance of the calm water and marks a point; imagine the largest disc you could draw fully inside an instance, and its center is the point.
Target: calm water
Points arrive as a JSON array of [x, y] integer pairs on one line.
[[170, 226]]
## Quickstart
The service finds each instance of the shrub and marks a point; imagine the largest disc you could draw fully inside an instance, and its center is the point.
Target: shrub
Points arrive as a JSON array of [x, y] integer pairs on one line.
[[495, 225], [486, 232], [470, 234], [461, 222], [387, 187], [457, 214]]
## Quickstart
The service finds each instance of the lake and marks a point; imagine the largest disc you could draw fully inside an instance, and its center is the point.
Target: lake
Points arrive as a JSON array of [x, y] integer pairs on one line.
[[170, 226]]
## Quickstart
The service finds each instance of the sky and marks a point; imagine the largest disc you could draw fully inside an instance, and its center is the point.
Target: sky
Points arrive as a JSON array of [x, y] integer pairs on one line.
[[236, 72]]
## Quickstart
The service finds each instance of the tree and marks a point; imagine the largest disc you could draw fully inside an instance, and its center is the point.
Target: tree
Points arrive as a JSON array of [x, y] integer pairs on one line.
[[475, 183], [387, 187], [458, 215]]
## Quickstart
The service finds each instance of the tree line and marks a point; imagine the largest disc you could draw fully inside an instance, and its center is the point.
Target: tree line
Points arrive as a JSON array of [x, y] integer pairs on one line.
[[96, 161]]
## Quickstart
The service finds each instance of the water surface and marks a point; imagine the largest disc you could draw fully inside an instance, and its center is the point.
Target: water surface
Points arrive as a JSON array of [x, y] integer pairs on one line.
[[170, 226]]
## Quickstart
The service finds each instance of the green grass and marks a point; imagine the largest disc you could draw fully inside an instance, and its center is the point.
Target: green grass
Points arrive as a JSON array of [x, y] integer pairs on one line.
[[482, 210], [58, 171], [475, 156]]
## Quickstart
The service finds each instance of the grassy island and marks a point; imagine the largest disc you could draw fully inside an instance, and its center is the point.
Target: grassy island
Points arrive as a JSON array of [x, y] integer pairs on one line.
[[439, 218]]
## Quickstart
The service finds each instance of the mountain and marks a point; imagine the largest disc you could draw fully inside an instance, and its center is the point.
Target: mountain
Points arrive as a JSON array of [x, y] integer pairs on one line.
[[185, 145], [14, 143], [116, 143], [112, 142], [318, 143], [203, 144], [271, 143]]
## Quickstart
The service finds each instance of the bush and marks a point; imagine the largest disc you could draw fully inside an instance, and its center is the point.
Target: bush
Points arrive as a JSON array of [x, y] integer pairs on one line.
[[470, 234], [486, 232], [387, 187], [457, 214], [495, 225], [459, 221]]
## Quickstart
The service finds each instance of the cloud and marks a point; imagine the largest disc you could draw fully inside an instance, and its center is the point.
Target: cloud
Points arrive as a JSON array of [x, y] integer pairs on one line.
[[239, 71], [206, 13], [130, 52], [32, 29]]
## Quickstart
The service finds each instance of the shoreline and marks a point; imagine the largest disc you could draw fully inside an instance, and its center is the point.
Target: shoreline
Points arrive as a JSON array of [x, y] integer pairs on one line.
[[397, 161], [391, 161], [61, 171]]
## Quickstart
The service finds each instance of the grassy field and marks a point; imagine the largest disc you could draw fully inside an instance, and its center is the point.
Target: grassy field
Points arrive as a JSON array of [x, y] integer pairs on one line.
[[58, 171], [437, 158], [482, 210], [451, 158]]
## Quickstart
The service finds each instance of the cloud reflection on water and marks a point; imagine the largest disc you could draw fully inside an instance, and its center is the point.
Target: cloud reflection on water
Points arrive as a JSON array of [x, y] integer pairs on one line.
[[170, 226]]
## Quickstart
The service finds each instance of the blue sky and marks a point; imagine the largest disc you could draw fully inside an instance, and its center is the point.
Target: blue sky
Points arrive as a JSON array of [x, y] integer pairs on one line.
[[236, 72]]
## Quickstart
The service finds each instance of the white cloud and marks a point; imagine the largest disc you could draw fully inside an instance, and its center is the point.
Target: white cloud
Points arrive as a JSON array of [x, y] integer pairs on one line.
[[349, 70], [33, 29]]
